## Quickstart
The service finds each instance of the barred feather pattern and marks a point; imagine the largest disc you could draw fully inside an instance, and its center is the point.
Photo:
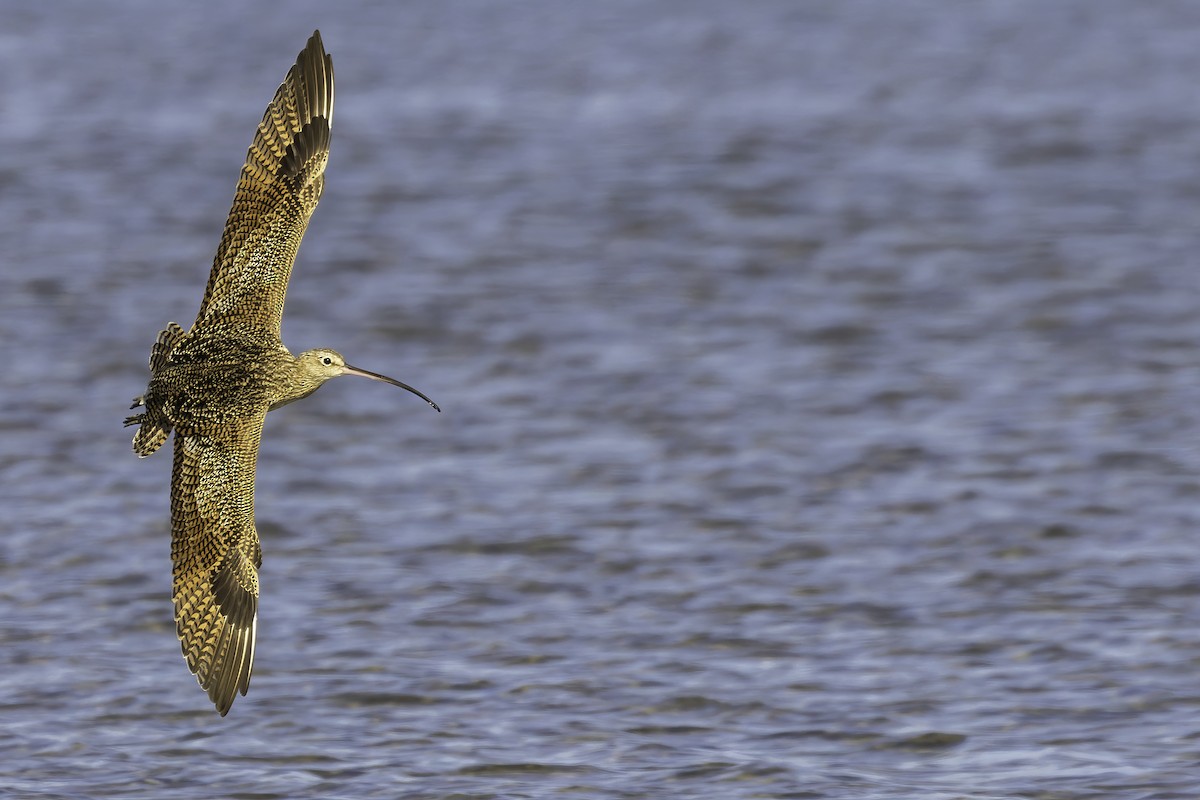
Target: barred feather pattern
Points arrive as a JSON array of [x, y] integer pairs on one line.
[[154, 427], [214, 384], [280, 183], [216, 555]]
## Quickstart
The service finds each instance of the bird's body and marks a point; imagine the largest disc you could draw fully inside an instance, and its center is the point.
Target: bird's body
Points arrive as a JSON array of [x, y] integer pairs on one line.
[[214, 384]]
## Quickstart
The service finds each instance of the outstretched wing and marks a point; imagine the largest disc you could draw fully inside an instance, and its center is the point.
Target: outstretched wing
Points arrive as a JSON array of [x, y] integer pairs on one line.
[[277, 192], [216, 553]]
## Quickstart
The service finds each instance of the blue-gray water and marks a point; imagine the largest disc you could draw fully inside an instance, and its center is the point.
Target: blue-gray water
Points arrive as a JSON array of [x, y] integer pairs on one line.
[[820, 381]]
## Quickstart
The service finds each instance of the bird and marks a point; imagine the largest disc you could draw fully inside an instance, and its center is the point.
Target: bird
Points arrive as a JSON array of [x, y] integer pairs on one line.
[[213, 384]]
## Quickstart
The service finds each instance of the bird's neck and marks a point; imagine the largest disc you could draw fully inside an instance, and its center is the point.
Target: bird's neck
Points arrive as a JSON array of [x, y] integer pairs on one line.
[[295, 383]]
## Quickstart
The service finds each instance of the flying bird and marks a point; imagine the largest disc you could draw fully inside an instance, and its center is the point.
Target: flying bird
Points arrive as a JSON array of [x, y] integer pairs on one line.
[[214, 383]]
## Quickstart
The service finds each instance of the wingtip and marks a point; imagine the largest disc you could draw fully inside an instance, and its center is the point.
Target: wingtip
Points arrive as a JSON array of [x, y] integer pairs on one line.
[[315, 42], [316, 67]]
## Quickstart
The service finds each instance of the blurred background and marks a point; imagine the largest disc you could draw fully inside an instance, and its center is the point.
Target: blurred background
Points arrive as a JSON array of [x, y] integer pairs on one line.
[[819, 381]]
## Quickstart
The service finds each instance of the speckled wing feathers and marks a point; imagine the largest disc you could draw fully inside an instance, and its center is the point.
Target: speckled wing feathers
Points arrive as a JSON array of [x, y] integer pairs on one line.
[[216, 555], [279, 187], [214, 544]]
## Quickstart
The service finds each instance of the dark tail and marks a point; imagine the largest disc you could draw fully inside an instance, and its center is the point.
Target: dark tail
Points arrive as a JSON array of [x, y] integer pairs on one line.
[[149, 436]]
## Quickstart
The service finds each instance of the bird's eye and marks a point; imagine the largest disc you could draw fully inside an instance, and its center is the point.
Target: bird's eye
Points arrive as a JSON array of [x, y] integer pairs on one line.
[[327, 361]]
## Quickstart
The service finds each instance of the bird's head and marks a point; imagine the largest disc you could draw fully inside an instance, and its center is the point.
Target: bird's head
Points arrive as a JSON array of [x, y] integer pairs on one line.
[[322, 364]]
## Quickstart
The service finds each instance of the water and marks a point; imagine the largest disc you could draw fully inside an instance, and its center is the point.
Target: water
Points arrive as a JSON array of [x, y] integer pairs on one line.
[[819, 380]]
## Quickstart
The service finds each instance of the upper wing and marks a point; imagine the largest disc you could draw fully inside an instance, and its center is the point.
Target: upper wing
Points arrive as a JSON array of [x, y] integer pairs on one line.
[[216, 553], [277, 192]]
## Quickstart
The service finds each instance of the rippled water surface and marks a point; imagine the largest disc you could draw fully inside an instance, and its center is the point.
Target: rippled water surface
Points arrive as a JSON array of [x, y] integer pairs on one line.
[[820, 385]]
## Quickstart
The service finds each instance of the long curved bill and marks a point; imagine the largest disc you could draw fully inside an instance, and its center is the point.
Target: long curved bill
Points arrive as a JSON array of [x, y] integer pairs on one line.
[[375, 376]]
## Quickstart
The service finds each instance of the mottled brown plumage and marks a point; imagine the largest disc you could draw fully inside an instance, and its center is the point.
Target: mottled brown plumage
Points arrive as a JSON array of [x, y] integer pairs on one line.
[[214, 384]]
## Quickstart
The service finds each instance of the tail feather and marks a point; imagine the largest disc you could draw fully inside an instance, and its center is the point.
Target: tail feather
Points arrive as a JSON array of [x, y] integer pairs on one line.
[[160, 351], [150, 435], [154, 428]]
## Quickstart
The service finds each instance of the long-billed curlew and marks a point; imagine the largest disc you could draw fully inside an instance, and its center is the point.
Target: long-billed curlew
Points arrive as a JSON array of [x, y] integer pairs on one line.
[[215, 383]]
